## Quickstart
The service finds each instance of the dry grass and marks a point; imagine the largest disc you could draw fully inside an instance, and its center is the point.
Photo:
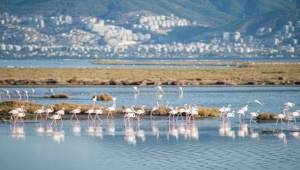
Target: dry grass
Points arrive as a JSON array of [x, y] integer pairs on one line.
[[208, 112], [104, 97], [58, 96], [266, 116], [248, 74]]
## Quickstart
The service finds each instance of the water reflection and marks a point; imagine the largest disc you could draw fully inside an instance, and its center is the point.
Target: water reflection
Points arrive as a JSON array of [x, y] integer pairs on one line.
[[154, 129], [225, 130], [18, 131], [134, 130]]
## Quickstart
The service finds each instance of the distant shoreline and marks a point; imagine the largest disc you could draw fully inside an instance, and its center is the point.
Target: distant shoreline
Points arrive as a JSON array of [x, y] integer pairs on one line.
[[258, 74]]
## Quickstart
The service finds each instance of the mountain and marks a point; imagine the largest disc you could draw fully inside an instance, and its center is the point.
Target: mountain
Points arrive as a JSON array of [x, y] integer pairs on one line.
[[142, 21]]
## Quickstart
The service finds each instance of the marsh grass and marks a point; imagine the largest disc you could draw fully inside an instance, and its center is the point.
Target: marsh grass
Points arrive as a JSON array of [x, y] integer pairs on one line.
[[245, 74]]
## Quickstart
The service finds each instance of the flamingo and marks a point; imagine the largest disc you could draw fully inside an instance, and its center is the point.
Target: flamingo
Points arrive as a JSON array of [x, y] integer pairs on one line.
[[230, 115], [139, 112], [182, 110], [242, 112], [7, 94], [160, 90], [26, 94], [51, 91], [19, 94], [194, 112], [136, 90], [296, 114], [13, 115], [173, 112], [97, 113], [39, 112], [180, 89], [280, 117], [253, 116], [48, 111], [154, 109], [129, 113], [112, 108], [21, 113], [289, 104], [57, 116], [90, 112], [75, 112], [258, 102]]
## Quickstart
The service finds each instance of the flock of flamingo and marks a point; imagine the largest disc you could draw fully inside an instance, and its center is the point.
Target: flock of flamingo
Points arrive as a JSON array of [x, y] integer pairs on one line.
[[181, 118]]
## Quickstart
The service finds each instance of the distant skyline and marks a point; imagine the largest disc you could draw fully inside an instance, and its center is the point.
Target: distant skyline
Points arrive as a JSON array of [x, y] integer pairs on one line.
[[161, 28]]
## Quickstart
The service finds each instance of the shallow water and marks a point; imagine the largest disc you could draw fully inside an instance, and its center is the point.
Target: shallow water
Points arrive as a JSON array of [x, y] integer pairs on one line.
[[88, 63], [272, 97], [151, 144], [156, 144]]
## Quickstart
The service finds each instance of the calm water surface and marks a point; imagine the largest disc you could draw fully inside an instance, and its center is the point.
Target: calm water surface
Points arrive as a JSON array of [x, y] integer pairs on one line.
[[213, 96], [157, 143]]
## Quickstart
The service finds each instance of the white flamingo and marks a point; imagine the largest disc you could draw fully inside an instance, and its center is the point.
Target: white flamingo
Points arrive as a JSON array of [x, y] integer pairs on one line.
[[296, 114], [129, 113], [39, 112], [13, 115], [57, 116], [48, 111], [160, 90], [140, 112], [154, 109], [19, 94], [180, 89], [98, 112], [21, 114], [253, 116], [112, 108], [182, 110], [230, 115], [7, 94], [194, 111], [90, 112], [26, 94], [74, 113], [136, 90], [51, 91], [242, 112], [173, 112], [281, 116]]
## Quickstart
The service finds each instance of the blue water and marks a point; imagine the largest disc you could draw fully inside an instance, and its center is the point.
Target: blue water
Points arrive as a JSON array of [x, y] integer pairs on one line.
[[196, 146], [87, 63], [272, 97], [156, 143]]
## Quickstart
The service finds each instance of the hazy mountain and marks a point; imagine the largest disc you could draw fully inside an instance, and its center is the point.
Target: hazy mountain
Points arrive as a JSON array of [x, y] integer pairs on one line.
[[72, 22], [210, 12]]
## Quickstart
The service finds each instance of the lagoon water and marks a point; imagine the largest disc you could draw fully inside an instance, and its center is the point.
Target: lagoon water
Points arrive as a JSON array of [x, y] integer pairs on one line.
[[157, 143], [150, 145], [272, 97]]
